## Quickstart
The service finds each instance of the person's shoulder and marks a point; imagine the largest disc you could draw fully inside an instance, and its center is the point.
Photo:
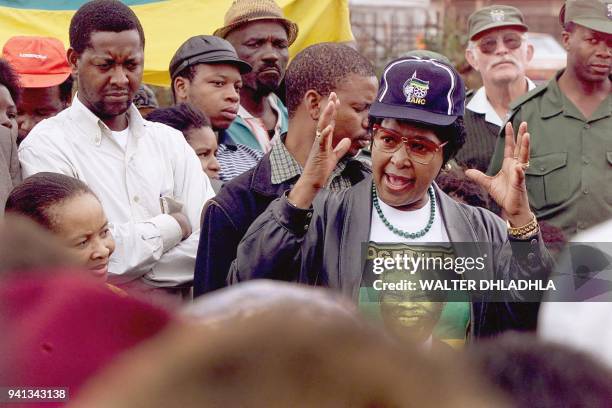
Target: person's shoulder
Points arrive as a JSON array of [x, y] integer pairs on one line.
[[169, 140], [56, 122], [361, 164], [357, 192], [530, 96], [278, 101], [357, 169], [599, 233], [236, 191], [7, 141], [47, 132], [161, 130], [472, 213]]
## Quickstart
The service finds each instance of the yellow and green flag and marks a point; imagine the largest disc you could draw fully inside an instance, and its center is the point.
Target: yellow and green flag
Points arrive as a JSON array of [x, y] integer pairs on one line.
[[168, 23]]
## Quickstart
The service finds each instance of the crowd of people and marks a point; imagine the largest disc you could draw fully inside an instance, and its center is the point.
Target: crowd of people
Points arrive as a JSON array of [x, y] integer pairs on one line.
[[162, 256]]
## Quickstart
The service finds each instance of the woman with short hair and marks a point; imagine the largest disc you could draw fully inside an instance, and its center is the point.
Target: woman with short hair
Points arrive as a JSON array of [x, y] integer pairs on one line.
[[68, 208]]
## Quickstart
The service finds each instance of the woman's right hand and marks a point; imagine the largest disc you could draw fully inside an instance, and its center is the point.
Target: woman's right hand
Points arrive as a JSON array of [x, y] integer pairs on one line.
[[322, 159]]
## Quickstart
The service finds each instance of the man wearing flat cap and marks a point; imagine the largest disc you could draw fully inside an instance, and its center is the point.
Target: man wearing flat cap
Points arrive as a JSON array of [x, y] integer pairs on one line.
[[206, 73], [261, 36], [499, 51], [570, 122]]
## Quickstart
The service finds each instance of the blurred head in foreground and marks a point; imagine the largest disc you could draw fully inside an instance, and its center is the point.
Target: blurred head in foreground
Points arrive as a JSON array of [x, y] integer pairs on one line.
[[288, 352], [60, 328], [26, 246], [542, 374]]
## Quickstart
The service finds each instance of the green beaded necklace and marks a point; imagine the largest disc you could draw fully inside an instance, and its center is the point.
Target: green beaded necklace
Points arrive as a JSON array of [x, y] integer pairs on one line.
[[398, 231]]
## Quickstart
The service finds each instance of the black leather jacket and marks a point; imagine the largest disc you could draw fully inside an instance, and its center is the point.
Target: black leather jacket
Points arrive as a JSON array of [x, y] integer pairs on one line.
[[322, 246], [228, 215]]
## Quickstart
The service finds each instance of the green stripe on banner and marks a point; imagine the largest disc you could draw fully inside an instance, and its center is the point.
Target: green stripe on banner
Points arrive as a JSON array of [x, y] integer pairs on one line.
[[61, 4]]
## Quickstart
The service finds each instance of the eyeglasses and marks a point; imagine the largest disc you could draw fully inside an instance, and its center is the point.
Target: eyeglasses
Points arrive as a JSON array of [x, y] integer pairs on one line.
[[420, 149], [488, 44]]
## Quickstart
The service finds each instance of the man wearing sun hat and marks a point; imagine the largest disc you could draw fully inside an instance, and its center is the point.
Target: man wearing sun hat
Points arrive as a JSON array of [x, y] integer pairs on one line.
[[499, 51], [44, 75], [261, 36], [570, 120]]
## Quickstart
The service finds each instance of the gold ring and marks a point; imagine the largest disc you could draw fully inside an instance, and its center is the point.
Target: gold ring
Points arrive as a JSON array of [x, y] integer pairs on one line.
[[515, 157], [525, 166]]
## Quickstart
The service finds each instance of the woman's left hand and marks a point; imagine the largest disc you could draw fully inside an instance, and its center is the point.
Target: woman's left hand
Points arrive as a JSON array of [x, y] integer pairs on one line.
[[507, 187]]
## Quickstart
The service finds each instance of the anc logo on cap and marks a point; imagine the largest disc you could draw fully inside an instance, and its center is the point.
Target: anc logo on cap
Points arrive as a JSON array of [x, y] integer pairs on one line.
[[415, 90], [498, 15]]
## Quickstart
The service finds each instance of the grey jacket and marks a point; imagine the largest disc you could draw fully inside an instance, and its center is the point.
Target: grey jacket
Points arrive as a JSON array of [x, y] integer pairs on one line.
[[10, 172], [322, 246]]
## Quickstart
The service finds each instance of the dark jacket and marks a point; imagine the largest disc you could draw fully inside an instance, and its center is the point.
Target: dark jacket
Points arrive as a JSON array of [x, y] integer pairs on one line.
[[480, 141], [322, 246], [229, 214]]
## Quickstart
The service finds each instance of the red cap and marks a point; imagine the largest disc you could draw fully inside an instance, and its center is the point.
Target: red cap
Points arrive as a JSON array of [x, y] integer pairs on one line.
[[40, 61]]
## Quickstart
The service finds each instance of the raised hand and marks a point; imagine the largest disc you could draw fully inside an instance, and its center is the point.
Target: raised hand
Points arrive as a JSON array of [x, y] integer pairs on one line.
[[507, 187], [322, 158]]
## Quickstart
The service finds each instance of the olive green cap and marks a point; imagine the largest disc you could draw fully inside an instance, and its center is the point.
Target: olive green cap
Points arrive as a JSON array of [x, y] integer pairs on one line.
[[493, 17], [593, 14]]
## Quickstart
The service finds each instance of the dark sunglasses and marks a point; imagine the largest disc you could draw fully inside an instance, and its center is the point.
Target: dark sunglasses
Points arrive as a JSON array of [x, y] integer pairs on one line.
[[488, 44], [420, 149]]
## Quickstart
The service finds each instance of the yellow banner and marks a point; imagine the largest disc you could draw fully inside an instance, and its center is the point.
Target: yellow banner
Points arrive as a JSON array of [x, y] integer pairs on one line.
[[167, 24]]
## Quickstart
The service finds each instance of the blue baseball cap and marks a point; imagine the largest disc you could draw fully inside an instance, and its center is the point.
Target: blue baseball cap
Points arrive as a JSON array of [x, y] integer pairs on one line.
[[421, 90]]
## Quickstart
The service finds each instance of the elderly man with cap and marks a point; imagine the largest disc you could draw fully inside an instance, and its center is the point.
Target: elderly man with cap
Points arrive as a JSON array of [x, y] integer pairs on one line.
[[499, 51], [570, 119], [261, 36], [44, 74], [206, 72]]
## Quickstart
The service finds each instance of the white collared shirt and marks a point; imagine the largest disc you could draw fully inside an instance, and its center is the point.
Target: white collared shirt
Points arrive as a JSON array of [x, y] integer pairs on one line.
[[480, 104], [156, 162], [257, 126]]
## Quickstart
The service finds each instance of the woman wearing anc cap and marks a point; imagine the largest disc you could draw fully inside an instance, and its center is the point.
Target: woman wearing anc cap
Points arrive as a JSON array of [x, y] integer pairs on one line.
[[417, 126]]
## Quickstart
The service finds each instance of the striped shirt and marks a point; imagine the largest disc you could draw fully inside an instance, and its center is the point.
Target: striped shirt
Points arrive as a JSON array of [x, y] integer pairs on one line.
[[235, 159]]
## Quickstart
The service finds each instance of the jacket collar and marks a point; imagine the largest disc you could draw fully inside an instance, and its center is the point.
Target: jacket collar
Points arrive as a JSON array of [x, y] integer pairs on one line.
[[480, 104], [261, 179], [554, 103], [356, 219], [224, 138], [359, 207], [449, 209], [94, 128]]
